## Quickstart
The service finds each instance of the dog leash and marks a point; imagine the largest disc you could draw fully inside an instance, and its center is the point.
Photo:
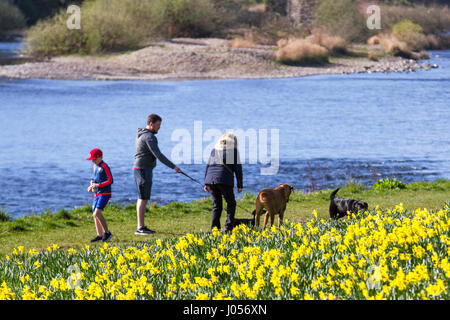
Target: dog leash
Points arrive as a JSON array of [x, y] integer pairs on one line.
[[195, 180]]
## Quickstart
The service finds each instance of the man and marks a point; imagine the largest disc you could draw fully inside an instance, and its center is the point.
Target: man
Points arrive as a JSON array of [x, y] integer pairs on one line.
[[147, 151]]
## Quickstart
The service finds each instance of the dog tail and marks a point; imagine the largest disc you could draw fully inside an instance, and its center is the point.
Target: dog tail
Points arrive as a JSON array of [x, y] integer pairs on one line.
[[262, 196], [333, 194]]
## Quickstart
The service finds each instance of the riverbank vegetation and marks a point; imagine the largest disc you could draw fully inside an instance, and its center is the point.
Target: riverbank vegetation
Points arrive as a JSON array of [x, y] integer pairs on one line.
[[397, 250], [113, 25], [312, 50], [11, 18], [120, 25]]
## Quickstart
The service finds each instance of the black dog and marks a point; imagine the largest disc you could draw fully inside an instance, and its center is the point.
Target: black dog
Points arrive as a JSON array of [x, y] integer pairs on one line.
[[248, 222], [340, 206]]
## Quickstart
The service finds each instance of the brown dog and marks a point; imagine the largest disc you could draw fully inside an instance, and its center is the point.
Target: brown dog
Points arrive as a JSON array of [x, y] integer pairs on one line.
[[274, 201]]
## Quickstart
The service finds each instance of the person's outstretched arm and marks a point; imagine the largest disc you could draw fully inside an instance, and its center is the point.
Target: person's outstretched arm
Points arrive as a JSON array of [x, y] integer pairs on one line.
[[152, 143]]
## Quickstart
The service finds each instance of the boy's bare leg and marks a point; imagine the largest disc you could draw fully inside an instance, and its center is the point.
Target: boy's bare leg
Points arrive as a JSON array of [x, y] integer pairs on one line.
[[100, 222], [140, 209], [98, 227]]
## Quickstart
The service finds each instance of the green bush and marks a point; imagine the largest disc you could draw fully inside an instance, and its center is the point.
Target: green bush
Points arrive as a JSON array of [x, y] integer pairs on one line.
[[343, 18], [386, 184], [406, 26], [52, 37], [186, 18], [118, 25], [410, 33], [11, 18], [114, 25], [106, 25]]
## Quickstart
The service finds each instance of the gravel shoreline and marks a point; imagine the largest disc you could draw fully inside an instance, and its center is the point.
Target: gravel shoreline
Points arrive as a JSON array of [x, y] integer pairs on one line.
[[185, 58]]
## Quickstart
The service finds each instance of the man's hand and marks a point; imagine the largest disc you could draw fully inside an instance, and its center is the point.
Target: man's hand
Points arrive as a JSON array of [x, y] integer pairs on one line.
[[178, 170], [206, 189], [239, 190]]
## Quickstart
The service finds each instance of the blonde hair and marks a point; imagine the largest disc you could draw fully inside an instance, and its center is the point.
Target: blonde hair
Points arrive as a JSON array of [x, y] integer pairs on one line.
[[226, 142]]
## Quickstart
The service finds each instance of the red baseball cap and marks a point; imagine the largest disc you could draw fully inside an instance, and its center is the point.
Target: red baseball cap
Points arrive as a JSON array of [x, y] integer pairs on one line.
[[95, 153]]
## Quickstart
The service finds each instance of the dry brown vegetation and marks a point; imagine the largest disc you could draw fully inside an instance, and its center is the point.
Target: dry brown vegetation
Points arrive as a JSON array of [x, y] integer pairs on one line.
[[322, 37], [372, 56], [313, 49], [301, 51], [419, 26], [243, 42], [391, 45], [432, 18]]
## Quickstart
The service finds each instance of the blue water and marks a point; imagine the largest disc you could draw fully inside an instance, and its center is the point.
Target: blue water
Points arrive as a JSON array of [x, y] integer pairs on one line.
[[10, 51], [332, 129]]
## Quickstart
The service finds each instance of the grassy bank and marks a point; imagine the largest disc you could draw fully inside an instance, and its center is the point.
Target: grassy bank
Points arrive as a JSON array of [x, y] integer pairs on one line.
[[389, 252], [75, 228]]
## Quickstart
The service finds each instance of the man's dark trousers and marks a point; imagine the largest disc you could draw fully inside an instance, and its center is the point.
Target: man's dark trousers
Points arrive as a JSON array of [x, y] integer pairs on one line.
[[218, 191]]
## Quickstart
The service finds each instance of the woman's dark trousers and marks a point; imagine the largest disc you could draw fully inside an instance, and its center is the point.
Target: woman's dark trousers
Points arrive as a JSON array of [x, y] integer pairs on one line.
[[217, 192]]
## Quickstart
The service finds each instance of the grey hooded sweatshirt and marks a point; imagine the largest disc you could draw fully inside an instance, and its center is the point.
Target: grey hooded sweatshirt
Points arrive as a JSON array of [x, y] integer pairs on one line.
[[147, 151]]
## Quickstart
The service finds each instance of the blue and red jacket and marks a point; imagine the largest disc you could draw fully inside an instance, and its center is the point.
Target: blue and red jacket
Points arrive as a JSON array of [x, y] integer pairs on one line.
[[102, 175]]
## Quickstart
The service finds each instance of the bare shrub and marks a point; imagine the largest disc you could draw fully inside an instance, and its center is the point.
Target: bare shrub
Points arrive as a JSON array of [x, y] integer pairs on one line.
[[322, 37], [301, 52]]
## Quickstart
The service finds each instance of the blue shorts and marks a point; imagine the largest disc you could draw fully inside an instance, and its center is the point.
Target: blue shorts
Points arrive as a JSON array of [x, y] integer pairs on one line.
[[100, 202]]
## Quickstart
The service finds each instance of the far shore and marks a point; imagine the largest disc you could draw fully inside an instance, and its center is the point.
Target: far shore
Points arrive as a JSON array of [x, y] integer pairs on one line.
[[197, 59]]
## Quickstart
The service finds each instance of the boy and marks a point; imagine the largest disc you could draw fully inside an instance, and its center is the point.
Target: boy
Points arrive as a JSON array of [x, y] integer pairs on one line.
[[101, 186]]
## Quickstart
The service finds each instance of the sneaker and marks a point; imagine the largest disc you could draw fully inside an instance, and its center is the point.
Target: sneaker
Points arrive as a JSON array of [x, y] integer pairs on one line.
[[97, 238], [107, 236], [143, 231]]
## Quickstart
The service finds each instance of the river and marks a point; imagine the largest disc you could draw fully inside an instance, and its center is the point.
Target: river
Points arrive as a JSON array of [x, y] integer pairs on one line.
[[328, 130]]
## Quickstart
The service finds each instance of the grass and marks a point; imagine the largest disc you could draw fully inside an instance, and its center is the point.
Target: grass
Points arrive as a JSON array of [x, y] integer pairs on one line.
[[72, 229], [394, 254]]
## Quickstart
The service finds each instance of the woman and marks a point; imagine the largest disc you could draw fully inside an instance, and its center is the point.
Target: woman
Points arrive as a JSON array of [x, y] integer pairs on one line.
[[222, 165]]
